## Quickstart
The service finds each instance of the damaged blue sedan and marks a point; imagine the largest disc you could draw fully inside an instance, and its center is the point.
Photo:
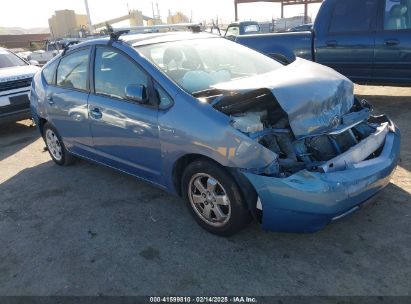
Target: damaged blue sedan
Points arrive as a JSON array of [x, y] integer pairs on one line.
[[236, 134]]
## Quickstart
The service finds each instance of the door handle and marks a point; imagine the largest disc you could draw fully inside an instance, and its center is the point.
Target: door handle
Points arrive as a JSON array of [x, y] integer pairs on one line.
[[96, 113], [332, 43], [391, 42], [50, 100]]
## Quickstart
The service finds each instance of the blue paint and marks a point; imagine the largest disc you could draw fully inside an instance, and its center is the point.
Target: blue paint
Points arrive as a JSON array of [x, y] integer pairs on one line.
[[307, 201], [147, 141], [374, 56]]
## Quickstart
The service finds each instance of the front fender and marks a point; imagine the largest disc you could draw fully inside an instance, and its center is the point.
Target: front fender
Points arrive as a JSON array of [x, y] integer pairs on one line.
[[211, 135]]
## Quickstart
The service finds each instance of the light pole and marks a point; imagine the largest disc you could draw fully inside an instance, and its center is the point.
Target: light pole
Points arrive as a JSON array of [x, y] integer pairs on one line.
[[90, 25]]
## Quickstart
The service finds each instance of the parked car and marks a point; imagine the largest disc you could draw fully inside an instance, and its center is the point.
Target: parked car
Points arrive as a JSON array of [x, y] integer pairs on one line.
[[15, 80], [369, 41], [237, 134], [52, 48]]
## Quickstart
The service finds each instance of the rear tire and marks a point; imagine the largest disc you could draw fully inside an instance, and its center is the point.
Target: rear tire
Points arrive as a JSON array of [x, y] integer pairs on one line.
[[55, 146], [214, 198]]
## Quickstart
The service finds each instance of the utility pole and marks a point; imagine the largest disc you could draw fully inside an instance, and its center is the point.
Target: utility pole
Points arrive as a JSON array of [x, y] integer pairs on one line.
[[158, 12], [90, 25]]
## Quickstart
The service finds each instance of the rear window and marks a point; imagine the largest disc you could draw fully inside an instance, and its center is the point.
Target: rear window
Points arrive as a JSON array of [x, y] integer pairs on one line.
[[252, 28]]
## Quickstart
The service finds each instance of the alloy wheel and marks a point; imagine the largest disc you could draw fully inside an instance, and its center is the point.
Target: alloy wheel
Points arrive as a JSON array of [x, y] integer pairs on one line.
[[53, 145], [209, 199]]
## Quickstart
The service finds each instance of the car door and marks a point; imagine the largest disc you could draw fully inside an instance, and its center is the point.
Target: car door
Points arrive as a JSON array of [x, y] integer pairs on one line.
[[67, 98], [347, 43], [125, 132], [393, 43]]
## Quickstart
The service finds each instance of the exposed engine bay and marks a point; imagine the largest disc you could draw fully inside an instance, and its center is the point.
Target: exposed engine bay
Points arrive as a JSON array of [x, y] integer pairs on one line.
[[349, 139]]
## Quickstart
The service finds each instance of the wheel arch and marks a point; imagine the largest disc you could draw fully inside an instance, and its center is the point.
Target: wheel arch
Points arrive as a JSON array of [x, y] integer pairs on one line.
[[42, 121], [246, 188], [181, 163]]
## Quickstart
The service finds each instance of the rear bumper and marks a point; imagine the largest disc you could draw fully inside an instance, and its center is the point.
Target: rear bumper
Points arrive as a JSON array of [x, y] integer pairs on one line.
[[308, 201]]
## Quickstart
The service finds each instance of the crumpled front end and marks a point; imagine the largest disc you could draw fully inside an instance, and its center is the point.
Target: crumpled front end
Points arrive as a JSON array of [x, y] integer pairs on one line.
[[313, 97], [310, 199], [331, 154]]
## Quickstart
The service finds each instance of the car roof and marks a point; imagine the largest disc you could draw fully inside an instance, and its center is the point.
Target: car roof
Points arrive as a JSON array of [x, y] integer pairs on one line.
[[136, 40]]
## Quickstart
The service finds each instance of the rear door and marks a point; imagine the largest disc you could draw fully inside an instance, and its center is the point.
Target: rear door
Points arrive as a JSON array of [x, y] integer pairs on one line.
[[347, 43], [66, 100], [125, 133], [393, 43]]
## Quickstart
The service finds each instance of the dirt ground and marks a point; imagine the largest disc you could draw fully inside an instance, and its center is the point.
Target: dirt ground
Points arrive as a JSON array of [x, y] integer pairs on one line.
[[89, 230]]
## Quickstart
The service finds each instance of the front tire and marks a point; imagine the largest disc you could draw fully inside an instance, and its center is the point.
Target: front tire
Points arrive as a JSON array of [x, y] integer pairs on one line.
[[55, 146], [214, 198]]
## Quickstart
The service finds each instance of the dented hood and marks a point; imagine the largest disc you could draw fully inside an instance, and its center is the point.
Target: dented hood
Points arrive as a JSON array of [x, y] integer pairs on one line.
[[314, 96]]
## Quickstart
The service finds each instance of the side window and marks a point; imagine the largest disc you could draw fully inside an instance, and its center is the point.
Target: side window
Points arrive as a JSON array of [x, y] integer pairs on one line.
[[353, 16], [397, 15], [49, 72], [114, 71], [233, 31], [165, 101], [72, 72]]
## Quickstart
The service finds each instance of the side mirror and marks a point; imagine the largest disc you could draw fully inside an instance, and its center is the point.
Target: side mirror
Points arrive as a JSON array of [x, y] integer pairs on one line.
[[34, 62], [137, 93]]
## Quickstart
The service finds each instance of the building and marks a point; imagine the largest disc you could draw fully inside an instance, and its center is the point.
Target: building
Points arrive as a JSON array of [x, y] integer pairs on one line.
[[22, 41], [178, 17], [66, 23]]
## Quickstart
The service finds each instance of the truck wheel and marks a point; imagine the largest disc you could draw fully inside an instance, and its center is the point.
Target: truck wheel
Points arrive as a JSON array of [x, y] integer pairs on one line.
[[214, 198], [55, 146]]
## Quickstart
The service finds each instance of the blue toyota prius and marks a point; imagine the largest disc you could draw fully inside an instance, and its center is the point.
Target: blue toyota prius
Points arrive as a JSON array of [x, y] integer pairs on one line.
[[236, 134]]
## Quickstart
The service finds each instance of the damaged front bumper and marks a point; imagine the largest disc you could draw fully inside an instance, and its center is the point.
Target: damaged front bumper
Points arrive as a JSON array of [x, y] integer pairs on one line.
[[308, 201]]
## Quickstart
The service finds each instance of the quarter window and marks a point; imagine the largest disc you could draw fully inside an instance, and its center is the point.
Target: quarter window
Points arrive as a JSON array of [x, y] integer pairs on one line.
[[49, 72], [72, 71], [164, 100], [114, 72], [397, 15], [353, 16]]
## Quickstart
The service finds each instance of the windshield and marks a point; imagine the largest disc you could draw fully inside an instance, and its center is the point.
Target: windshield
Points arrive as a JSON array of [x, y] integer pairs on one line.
[[198, 65], [8, 59]]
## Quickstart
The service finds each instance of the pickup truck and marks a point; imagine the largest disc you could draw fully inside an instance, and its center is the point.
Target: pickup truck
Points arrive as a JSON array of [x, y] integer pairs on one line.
[[242, 28], [369, 41], [52, 48]]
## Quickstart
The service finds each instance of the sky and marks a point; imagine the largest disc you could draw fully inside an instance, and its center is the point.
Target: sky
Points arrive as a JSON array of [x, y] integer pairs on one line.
[[35, 13]]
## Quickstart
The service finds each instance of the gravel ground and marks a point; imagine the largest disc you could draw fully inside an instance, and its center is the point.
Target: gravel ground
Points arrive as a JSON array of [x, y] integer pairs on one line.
[[89, 230]]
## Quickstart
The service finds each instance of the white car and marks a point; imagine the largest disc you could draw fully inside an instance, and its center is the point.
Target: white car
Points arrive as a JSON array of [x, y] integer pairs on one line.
[[15, 81]]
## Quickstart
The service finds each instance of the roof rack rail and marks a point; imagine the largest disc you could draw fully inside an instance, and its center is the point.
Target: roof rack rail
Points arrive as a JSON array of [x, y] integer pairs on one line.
[[116, 34], [67, 46], [194, 27]]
